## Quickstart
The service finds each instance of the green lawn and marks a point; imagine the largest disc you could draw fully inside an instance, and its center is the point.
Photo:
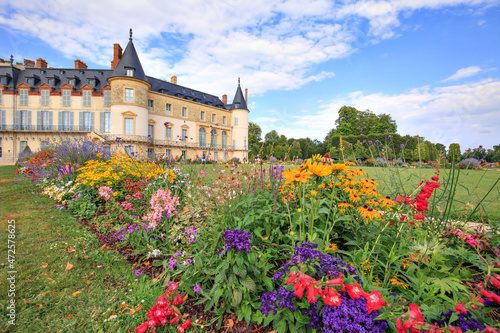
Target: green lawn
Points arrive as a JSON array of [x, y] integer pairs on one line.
[[472, 186], [48, 296]]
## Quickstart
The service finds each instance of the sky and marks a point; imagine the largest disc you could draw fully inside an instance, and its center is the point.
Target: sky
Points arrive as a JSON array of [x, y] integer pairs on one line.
[[433, 65]]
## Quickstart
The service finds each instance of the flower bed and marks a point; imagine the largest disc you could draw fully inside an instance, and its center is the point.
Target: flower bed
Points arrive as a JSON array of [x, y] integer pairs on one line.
[[312, 249]]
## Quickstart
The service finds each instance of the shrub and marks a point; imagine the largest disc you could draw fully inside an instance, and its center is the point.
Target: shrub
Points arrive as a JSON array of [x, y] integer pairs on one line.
[[470, 163]]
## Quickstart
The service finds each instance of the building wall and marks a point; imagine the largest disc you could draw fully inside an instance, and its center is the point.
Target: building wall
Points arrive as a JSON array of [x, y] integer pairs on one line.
[[142, 115]]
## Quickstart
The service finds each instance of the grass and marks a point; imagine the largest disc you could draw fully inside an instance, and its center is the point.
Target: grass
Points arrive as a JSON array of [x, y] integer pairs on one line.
[[50, 297], [472, 186]]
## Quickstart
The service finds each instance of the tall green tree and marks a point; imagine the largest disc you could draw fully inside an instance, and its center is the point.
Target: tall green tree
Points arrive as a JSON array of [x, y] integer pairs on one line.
[[295, 151], [254, 134]]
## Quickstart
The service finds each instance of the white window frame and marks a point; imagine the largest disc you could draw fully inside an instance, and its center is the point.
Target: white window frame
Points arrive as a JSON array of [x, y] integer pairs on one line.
[[184, 135], [129, 95], [184, 112], [151, 131], [235, 121], [130, 72], [66, 121], [107, 98], [107, 122], [202, 115], [168, 108], [45, 97], [168, 152], [1, 96], [22, 145], [129, 149], [223, 120], [128, 126], [87, 98], [45, 117], [168, 133], [87, 121], [151, 105], [23, 96], [214, 118], [66, 97]]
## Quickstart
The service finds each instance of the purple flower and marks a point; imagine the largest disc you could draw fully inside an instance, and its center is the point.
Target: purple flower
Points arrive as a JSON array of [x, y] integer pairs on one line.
[[191, 239], [197, 288], [402, 146], [177, 253], [118, 138], [189, 261], [386, 130], [166, 123], [236, 239], [138, 272]]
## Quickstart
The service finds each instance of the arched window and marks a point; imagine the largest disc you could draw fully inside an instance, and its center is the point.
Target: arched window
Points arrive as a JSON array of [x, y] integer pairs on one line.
[[203, 137], [213, 142], [224, 140]]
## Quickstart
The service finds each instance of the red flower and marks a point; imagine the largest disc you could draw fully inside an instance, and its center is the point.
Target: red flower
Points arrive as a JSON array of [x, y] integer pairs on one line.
[[403, 328], [330, 297], [355, 291], [184, 326], [415, 313], [177, 299], [142, 328], [398, 199], [419, 217], [487, 295], [312, 292], [495, 282], [460, 309], [174, 320], [338, 281], [374, 301]]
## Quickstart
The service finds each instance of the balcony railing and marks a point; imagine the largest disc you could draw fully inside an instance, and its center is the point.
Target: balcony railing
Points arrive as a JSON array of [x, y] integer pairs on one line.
[[47, 128], [117, 138]]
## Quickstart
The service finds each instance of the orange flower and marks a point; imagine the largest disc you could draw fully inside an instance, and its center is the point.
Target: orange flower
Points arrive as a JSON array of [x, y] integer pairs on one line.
[[319, 169], [339, 167], [368, 213], [296, 176], [343, 206]]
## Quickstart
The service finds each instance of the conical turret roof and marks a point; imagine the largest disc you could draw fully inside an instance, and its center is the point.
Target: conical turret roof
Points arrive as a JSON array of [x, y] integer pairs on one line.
[[130, 60], [239, 99]]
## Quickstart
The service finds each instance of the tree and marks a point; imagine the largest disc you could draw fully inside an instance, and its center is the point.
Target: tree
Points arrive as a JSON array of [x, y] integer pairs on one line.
[[382, 123], [295, 151], [254, 134], [271, 137]]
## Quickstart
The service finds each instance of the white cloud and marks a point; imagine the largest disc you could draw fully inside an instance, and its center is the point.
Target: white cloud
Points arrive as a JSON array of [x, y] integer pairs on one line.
[[272, 44], [463, 73], [466, 113]]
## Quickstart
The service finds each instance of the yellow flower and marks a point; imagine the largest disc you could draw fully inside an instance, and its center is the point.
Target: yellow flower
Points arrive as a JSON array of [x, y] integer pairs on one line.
[[368, 213], [115, 194], [332, 247], [339, 167], [299, 210], [320, 170], [296, 176], [343, 206], [313, 193]]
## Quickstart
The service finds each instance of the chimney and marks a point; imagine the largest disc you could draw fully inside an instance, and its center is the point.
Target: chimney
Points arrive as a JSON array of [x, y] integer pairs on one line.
[[29, 63], [80, 64], [173, 79], [246, 96], [40, 63], [224, 99], [117, 55]]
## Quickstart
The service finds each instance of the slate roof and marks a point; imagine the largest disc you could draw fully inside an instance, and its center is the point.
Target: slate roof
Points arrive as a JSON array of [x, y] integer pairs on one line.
[[11, 77], [130, 60]]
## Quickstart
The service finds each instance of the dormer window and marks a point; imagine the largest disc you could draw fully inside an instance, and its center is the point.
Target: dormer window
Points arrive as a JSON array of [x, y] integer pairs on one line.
[[130, 72], [51, 81], [71, 81], [31, 81], [92, 82]]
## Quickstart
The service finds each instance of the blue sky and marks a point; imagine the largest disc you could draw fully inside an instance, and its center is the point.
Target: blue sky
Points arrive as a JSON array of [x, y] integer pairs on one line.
[[434, 65]]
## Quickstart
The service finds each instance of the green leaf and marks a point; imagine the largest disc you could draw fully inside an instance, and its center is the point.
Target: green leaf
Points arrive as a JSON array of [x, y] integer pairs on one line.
[[248, 283], [247, 312], [232, 280], [237, 297], [239, 259], [217, 295], [281, 326], [289, 315], [267, 282], [240, 271]]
